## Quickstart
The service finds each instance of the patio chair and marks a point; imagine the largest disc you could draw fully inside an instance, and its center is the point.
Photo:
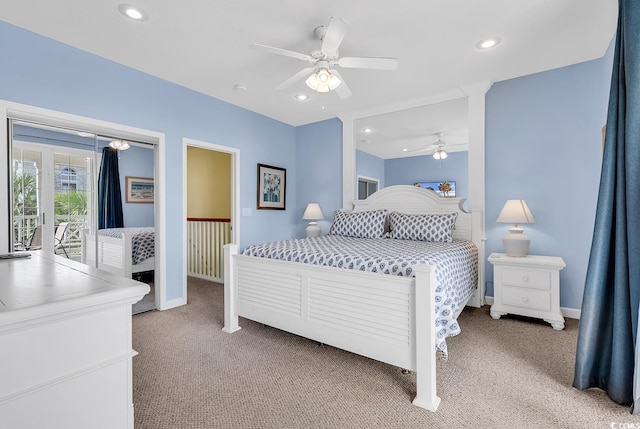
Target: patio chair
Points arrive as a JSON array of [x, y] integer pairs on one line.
[[59, 238], [34, 243]]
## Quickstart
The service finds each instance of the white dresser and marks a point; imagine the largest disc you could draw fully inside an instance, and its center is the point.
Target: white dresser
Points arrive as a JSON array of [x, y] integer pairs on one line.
[[65, 345], [527, 286]]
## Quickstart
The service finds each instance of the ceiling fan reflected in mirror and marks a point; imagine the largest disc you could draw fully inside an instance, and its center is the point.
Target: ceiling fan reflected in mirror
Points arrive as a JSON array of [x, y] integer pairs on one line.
[[322, 75], [437, 148]]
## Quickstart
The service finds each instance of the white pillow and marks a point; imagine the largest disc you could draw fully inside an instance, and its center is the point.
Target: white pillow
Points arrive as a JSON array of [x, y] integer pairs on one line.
[[359, 224], [433, 227]]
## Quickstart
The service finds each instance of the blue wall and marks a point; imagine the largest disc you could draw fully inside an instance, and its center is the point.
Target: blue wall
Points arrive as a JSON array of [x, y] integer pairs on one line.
[[544, 145], [370, 166], [407, 171], [138, 162], [41, 72], [319, 164]]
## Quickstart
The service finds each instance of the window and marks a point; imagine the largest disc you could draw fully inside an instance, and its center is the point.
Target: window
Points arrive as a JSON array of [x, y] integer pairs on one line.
[[366, 187]]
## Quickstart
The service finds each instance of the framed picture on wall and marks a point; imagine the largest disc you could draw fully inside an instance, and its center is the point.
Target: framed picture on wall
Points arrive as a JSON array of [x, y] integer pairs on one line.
[[271, 187], [444, 188], [139, 189]]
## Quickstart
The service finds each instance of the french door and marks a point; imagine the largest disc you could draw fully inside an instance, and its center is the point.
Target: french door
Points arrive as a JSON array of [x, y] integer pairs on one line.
[[53, 187]]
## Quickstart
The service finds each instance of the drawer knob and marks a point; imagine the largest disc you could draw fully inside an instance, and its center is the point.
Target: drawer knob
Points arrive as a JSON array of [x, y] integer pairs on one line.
[[525, 299], [525, 279]]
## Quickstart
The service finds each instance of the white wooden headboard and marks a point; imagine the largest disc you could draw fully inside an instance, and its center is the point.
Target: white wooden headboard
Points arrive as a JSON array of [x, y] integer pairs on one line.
[[415, 200]]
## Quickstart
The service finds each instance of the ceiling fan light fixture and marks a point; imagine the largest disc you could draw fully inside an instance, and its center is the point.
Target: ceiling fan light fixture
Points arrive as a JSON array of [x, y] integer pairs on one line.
[[323, 80], [120, 144], [440, 154]]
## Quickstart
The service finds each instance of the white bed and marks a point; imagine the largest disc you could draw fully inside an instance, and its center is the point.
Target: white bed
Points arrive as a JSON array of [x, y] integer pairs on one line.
[[122, 251], [291, 295]]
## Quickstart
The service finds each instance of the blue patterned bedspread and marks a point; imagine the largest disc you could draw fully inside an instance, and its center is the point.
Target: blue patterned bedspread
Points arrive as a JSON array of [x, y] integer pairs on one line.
[[142, 241], [456, 266]]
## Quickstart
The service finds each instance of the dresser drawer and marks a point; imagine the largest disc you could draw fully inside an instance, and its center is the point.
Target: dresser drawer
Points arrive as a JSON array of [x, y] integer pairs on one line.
[[526, 298], [538, 279]]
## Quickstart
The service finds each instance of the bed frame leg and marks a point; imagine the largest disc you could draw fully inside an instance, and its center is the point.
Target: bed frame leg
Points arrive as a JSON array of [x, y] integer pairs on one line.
[[425, 340], [230, 316]]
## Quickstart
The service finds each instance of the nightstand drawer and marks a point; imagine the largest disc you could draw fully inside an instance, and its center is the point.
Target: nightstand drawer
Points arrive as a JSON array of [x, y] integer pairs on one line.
[[526, 298], [539, 279]]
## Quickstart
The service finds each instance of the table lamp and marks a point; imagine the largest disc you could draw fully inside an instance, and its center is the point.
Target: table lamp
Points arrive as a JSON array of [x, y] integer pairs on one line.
[[516, 242], [313, 213]]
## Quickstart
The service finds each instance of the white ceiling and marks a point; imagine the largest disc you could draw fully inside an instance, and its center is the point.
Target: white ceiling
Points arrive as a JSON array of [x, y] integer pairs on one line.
[[204, 44]]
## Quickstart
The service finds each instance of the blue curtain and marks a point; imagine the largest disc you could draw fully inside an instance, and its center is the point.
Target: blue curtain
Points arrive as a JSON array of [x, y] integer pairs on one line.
[[109, 195], [609, 319]]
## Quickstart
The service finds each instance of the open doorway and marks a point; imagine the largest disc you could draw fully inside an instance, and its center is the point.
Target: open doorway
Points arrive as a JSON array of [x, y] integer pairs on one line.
[[210, 207]]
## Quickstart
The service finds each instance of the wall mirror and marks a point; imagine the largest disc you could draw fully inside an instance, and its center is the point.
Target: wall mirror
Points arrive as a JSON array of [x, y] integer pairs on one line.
[[424, 144]]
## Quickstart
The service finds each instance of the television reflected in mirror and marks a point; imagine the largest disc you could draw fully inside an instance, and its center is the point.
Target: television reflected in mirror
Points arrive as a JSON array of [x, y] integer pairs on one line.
[[444, 188]]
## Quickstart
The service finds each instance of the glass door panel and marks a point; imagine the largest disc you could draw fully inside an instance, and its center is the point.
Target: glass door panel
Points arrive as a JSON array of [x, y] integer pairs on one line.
[[27, 198], [54, 185], [73, 194]]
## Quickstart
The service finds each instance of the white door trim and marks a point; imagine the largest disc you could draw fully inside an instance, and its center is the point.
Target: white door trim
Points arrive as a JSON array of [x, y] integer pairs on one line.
[[235, 194]]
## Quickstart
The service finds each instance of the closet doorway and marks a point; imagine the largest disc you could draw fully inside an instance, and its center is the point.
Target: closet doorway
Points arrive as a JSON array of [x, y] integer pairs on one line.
[[53, 161], [210, 206]]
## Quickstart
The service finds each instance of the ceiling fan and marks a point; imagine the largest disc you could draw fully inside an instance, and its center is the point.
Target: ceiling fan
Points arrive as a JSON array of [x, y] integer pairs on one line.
[[437, 148], [322, 76]]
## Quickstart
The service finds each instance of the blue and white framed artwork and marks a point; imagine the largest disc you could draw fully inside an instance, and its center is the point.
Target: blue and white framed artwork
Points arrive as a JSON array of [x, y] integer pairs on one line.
[[271, 187]]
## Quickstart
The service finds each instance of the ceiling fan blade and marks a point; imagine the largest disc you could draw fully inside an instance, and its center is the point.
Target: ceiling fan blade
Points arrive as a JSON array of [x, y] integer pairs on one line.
[[283, 52], [422, 149], [337, 29], [377, 63], [342, 90], [296, 77]]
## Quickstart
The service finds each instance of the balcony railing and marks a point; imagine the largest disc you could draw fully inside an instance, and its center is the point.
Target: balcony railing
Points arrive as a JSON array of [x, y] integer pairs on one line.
[[24, 226]]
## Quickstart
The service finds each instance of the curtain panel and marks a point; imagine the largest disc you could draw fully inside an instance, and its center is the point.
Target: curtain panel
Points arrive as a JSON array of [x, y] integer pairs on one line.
[[608, 325], [109, 194]]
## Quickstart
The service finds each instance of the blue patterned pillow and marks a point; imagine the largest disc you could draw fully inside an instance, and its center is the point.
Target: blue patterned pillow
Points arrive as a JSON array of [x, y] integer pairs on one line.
[[434, 227], [359, 224]]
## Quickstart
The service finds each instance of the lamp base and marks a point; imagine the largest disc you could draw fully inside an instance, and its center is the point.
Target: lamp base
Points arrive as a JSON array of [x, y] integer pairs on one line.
[[516, 243], [313, 230]]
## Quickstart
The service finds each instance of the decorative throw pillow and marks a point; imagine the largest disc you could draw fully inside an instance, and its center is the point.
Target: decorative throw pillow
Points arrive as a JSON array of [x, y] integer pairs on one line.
[[359, 224], [433, 227]]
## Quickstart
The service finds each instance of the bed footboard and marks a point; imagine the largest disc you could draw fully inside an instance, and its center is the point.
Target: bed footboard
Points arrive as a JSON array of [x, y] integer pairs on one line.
[[387, 318], [113, 254]]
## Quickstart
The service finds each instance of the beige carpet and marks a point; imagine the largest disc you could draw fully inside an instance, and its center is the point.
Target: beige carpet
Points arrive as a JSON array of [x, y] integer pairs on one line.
[[500, 374]]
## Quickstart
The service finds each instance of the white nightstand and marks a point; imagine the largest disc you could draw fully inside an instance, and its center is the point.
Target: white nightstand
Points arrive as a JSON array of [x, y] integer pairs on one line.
[[528, 286]]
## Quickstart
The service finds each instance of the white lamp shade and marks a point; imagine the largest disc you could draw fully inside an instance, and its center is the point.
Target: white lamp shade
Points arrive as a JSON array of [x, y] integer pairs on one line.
[[516, 212], [313, 212], [516, 242]]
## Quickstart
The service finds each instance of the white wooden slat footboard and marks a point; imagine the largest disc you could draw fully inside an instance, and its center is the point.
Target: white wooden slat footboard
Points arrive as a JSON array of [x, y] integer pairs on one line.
[[114, 254], [387, 318]]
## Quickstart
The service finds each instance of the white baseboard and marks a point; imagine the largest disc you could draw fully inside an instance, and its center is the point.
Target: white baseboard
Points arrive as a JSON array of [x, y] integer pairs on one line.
[[570, 313]]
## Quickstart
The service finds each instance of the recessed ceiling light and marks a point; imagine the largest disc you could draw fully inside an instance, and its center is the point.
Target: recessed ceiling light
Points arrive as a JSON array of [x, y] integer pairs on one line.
[[367, 130], [405, 149], [240, 87], [132, 12], [488, 42], [301, 97]]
